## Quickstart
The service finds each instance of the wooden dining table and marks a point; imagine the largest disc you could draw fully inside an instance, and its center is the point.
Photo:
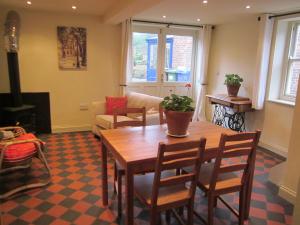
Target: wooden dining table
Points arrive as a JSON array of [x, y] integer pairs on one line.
[[136, 149]]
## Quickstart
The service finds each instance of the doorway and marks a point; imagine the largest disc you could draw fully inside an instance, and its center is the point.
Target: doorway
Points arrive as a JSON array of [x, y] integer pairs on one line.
[[162, 61]]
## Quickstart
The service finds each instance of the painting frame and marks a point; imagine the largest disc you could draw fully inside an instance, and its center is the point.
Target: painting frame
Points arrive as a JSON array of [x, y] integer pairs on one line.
[[72, 48]]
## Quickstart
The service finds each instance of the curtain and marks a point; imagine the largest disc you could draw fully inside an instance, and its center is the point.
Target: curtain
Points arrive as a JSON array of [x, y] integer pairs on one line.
[[203, 46], [126, 55], [262, 61]]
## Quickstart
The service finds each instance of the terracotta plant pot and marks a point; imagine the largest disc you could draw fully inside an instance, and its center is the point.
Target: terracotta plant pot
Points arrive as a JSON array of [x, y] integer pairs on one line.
[[178, 122], [233, 90]]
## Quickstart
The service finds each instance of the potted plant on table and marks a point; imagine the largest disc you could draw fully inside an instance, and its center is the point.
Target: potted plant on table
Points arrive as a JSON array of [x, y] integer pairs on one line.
[[179, 112], [233, 82]]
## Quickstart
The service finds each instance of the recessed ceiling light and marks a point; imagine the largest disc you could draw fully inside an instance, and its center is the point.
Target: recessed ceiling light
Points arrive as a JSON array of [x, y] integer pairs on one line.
[[248, 7], [164, 17], [205, 1], [74, 7], [198, 20], [29, 2]]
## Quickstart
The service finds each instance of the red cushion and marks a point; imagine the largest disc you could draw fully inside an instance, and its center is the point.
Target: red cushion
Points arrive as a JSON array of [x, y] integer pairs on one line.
[[115, 103], [20, 151]]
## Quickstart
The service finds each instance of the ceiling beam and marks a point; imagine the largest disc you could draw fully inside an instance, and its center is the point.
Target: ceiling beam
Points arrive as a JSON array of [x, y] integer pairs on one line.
[[125, 9]]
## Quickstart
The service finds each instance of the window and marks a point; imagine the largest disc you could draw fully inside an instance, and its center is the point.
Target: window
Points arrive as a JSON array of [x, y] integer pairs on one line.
[[144, 57], [162, 55], [163, 60], [290, 84], [178, 58]]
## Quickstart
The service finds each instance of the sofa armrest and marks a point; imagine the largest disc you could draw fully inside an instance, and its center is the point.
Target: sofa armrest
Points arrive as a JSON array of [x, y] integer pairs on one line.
[[97, 108]]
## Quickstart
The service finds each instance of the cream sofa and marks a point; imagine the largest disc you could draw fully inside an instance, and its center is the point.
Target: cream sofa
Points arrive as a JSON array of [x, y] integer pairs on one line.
[[135, 100]]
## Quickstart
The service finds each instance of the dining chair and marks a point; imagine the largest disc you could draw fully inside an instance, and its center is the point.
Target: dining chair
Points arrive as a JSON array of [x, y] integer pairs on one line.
[[165, 190], [119, 172], [131, 123], [17, 152], [229, 173]]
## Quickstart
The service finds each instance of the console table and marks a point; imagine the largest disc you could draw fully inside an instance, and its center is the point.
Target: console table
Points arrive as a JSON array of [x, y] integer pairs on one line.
[[230, 112]]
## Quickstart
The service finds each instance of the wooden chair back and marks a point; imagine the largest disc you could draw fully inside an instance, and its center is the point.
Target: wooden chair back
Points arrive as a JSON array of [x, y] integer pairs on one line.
[[174, 157], [132, 123], [239, 148]]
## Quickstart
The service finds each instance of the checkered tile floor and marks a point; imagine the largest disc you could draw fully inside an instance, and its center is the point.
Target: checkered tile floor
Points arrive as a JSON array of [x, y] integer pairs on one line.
[[74, 196]]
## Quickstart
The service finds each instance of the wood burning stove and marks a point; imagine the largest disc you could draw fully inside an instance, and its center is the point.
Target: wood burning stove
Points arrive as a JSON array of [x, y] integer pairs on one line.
[[16, 113]]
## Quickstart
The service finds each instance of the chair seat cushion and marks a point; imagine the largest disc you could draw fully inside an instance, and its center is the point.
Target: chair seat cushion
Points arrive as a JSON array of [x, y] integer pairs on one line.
[[106, 121], [225, 180], [143, 185], [20, 151]]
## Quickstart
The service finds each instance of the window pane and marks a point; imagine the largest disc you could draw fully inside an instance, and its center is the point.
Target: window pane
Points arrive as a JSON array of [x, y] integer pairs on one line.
[[292, 81], [178, 58], [297, 44], [144, 57]]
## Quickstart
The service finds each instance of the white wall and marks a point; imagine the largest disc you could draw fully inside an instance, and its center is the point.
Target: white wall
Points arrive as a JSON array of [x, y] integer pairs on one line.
[[289, 187], [233, 50], [296, 216], [39, 72]]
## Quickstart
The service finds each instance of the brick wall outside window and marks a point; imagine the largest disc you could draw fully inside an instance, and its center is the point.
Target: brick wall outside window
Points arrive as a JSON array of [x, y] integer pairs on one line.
[[182, 52]]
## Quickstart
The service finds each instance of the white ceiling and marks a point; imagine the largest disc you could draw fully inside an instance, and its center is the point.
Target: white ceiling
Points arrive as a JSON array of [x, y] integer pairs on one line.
[[215, 12], [178, 11], [91, 7]]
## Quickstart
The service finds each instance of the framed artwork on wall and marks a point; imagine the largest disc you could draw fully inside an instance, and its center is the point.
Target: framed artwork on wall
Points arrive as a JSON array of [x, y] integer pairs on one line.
[[72, 52]]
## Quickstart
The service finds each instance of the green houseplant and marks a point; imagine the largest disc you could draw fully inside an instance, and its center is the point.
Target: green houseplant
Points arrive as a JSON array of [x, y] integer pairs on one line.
[[233, 83], [179, 111]]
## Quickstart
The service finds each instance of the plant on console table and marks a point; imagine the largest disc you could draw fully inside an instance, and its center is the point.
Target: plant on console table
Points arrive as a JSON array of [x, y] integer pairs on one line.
[[233, 82], [179, 112]]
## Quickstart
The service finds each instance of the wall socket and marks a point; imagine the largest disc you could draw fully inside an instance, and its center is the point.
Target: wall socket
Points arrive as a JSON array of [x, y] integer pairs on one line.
[[83, 107]]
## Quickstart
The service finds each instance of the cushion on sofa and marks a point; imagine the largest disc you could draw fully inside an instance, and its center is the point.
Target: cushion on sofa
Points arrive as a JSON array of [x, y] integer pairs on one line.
[[139, 115], [115, 103], [137, 100], [151, 119], [106, 121]]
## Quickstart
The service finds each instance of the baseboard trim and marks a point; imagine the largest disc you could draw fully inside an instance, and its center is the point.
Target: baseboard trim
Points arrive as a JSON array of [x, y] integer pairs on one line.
[[288, 194], [61, 129], [279, 150]]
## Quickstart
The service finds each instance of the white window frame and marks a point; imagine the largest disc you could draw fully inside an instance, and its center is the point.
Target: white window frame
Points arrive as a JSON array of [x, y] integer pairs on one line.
[[161, 31], [180, 32], [152, 30], [290, 47]]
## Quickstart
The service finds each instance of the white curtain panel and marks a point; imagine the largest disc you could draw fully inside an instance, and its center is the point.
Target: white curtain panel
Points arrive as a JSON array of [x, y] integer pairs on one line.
[[203, 46], [126, 55], [262, 61]]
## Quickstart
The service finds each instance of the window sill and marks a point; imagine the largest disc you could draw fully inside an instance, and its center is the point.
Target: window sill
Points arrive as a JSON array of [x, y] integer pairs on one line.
[[283, 102]]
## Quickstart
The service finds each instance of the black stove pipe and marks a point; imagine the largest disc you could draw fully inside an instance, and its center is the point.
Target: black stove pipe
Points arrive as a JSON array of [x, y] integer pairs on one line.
[[11, 37], [14, 78]]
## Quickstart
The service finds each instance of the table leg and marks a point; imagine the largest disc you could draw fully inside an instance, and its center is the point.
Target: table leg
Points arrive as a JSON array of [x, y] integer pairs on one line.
[[248, 195], [129, 176], [104, 176]]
